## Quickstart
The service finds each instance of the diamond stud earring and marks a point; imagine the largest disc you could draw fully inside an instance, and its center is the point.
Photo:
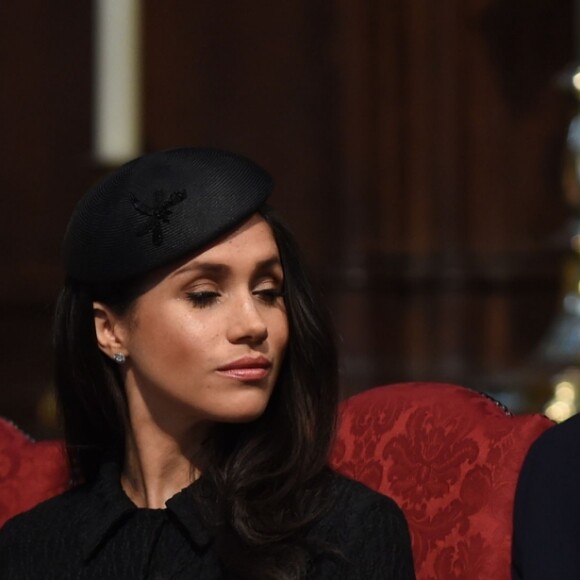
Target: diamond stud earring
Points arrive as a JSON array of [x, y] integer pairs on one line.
[[119, 358]]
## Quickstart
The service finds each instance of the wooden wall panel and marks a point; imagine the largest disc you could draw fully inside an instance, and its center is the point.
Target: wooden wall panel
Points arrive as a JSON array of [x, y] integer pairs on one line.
[[458, 185], [415, 145], [45, 67], [257, 80]]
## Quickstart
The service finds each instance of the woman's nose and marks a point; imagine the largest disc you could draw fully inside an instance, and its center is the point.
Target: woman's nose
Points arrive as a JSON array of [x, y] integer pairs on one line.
[[247, 323]]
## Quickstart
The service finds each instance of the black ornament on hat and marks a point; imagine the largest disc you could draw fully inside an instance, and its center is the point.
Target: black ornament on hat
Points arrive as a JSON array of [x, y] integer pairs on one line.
[[160, 208], [158, 214]]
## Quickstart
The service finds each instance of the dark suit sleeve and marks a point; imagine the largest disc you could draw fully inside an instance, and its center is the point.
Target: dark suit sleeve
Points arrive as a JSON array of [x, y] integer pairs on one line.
[[547, 508]]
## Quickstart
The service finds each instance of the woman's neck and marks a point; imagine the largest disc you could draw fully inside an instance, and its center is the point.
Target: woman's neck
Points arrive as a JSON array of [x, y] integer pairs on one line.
[[158, 456], [154, 471]]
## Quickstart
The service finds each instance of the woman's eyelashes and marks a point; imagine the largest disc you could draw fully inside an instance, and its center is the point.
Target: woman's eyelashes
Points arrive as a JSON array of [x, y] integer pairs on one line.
[[269, 295], [203, 298]]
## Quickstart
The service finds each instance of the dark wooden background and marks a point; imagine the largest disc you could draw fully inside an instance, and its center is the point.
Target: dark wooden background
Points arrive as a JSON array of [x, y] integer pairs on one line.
[[416, 146]]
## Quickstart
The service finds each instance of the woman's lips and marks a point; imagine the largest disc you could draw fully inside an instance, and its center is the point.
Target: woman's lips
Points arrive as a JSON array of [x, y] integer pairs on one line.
[[247, 374], [247, 368]]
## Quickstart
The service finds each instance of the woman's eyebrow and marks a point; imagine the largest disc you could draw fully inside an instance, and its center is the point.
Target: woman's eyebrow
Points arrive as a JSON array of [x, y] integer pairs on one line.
[[268, 263], [219, 269], [214, 268]]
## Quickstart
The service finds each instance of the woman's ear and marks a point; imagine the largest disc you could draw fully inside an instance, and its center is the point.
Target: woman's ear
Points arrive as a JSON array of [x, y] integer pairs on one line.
[[110, 330]]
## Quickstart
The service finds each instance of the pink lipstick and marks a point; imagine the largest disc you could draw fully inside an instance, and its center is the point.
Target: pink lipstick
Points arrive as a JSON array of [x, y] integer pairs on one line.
[[247, 368]]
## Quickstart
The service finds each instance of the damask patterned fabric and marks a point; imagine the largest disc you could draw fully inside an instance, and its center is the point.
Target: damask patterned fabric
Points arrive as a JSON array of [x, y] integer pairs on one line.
[[30, 472], [450, 458]]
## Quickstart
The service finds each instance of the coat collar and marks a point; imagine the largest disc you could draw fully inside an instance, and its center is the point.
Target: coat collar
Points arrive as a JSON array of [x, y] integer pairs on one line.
[[108, 507]]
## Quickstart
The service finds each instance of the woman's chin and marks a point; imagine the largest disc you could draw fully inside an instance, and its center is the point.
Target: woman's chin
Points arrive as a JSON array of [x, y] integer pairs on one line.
[[245, 415], [242, 410]]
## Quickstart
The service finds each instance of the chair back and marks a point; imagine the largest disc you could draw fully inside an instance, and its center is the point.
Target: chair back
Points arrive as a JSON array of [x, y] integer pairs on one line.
[[450, 457], [30, 471]]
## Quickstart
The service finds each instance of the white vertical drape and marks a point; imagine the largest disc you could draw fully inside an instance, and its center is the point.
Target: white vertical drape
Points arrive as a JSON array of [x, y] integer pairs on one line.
[[117, 80]]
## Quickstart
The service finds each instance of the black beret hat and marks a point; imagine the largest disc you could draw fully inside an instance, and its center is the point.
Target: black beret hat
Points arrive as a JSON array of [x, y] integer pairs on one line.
[[159, 208]]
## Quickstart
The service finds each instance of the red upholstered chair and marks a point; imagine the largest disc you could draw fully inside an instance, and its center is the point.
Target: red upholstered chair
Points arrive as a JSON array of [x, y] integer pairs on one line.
[[30, 472], [450, 457]]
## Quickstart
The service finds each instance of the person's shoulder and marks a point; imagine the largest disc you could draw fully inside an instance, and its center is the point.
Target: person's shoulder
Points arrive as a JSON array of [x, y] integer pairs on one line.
[[369, 530], [47, 518], [46, 535], [547, 506], [352, 490], [354, 500], [550, 473], [558, 444]]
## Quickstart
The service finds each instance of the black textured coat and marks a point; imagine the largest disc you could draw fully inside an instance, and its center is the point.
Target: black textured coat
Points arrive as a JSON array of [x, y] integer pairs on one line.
[[96, 532]]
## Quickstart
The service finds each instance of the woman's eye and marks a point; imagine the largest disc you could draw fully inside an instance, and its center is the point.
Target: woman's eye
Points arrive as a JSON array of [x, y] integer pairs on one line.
[[269, 295], [202, 299]]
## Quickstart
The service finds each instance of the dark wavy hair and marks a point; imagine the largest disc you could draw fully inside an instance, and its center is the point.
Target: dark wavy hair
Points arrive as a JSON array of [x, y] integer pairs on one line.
[[267, 477]]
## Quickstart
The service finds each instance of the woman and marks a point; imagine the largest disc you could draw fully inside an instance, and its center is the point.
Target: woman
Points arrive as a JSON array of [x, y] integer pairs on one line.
[[196, 374]]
